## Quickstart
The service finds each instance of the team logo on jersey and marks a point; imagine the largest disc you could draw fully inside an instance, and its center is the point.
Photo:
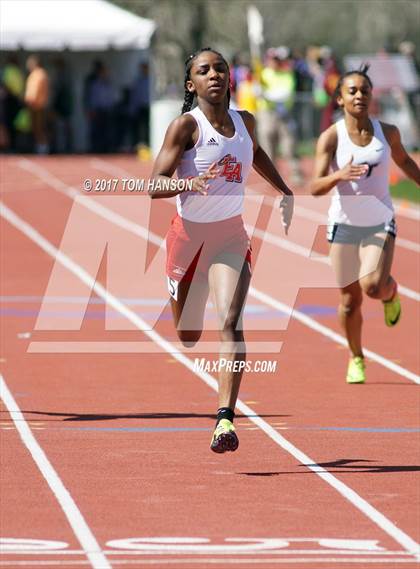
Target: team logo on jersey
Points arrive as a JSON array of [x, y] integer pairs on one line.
[[370, 168], [212, 142], [232, 169]]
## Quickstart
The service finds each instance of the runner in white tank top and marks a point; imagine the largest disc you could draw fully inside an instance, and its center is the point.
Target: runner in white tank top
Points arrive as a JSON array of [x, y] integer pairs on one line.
[[361, 227], [366, 201], [234, 156], [207, 246]]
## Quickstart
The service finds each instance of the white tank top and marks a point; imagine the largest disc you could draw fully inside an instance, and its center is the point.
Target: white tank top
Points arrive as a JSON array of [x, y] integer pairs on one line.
[[366, 201], [226, 192]]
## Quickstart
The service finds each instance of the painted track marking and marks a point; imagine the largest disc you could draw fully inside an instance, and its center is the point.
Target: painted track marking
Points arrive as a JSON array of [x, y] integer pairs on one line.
[[288, 245], [211, 561], [141, 231], [301, 211], [87, 540], [355, 499], [402, 207]]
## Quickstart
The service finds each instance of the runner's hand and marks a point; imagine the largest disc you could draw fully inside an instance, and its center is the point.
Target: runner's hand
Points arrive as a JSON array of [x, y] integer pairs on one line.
[[353, 172], [286, 207], [200, 183]]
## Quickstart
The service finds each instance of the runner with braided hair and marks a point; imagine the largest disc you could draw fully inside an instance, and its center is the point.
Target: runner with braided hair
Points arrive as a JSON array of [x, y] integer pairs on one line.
[[208, 249]]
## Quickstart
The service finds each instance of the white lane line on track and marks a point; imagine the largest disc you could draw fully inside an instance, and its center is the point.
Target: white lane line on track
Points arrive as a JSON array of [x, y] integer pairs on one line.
[[322, 219], [122, 222], [307, 213], [142, 232], [280, 552], [408, 292], [288, 245], [87, 540], [403, 208], [299, 210], [89, 203], [303, 318], [409, 245], [325, 331], [214, 561], [406, 210], [355, 499]]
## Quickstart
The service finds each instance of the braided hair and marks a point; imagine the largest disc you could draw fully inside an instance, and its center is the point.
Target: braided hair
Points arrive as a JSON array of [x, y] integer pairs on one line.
[[188, 96], [362, 71]]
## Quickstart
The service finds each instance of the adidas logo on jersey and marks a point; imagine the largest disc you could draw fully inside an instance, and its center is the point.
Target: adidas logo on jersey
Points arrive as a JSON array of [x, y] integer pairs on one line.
[[212, 142]]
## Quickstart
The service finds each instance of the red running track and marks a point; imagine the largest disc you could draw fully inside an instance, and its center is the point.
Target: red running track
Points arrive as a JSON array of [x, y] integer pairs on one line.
[[105, 459]]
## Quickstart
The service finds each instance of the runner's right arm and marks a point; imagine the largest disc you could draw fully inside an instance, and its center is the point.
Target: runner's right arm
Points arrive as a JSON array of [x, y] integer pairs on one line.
[[323, 181], [179, 137]]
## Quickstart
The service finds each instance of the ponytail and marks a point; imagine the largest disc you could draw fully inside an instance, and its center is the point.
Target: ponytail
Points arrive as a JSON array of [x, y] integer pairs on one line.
[[362, 71]]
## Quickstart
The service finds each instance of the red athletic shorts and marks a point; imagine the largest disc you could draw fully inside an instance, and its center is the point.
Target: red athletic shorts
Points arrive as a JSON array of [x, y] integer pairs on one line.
[[191, 248]]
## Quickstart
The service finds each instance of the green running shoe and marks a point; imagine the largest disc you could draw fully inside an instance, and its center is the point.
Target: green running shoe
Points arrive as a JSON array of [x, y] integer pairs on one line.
[[392, 310], [224, 437], [356, 370]]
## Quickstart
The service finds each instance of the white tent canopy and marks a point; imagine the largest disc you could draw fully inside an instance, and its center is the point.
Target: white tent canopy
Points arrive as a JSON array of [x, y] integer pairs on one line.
[[79, 25]]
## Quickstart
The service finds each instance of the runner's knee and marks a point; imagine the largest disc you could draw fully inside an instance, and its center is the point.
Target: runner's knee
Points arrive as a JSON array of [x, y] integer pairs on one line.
[[189, 337], [372, 287], [230, 331], [350, 302]]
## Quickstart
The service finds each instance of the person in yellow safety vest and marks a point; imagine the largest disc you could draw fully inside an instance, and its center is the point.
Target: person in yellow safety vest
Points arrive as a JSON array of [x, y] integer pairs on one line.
[[275, 123], [246, 94], [13, 82], [13, 78]]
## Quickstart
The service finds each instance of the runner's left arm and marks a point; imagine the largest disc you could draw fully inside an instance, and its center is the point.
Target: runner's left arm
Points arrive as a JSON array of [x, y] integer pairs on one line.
[[261, 162], [399, 153], [266, 169]]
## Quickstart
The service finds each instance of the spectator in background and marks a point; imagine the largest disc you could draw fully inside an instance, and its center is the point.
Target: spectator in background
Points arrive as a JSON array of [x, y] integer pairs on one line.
[[101, 104], [246, 93], [4, 135], [303, 76], [96, 68], [13, 82], [140, 106], [408, 48], [319, 96], [314, 56], [331, 78], [62, 106], [36, 98], [238, 73], [303, 108], [275, 121], [123, 121]]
